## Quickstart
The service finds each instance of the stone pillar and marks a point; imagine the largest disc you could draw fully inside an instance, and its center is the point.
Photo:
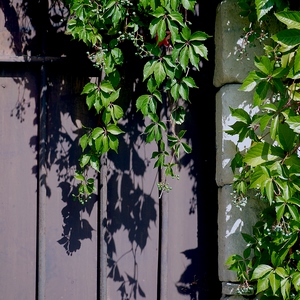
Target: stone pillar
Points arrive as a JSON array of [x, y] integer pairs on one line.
[[229, 73]]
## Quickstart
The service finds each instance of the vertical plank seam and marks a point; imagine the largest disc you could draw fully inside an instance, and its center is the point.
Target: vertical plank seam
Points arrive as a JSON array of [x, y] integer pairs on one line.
[[102, 254], [41, 239]]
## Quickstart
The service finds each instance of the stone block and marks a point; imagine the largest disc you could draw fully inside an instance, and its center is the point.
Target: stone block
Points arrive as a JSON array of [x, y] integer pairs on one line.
[[226, 145], [228, 42], [232, 221]]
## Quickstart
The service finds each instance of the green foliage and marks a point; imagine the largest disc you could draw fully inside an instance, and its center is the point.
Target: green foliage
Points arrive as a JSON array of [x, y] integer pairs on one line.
[[270, 264], [161, 35]]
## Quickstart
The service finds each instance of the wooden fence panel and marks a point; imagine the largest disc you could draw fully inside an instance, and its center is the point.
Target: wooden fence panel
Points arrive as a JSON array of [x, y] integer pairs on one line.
[[127, 242], [18, 188]]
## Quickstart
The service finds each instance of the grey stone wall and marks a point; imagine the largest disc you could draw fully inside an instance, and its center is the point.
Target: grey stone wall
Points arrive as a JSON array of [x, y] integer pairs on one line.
[[229, 73]]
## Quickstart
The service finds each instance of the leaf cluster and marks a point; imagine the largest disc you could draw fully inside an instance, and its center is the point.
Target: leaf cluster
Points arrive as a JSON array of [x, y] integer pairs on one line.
[[270, 167], [160, 32]]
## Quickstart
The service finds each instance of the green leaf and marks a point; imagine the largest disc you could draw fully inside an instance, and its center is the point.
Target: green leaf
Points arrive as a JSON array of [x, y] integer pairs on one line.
[[261, 92], [274, 127], [84, 160], [288, 37], [152, 105], [290, 18], [159, 12], [175, 91], [149, 69], [281, 272], [280, 208], [90, 99], [106, 116], [296, 280], [189, 81], [176, 50], [114, 95], [184, 91], [117, 112], [264, 64], [262, 284], [186, 148], [233, 259], [294, 123], [248, 238], [83, 141], [176, 16], [294, 72], [250, 81], [258, 178], [200, 49], [263, 7], [94, 162], [286, 137], [142, 104], [285, 288], [247, 252], [151, 85], [279, 72], [88, 88], [178, 115], [184, 57], [269, 190], [158, 96], [114, 129], [261, 153], [199, 36], [106, 86], [117, 55], [264, 121], [260, 271], [294, 200], [113, 142], [99, 143], [274, 282], [241, 115], [97, 132], [188, 4], [161, 30], [105, 98], [294, 212], [105, 144], [174, 4], [186, 33], [79, 176], [194, 59], [159, 73]]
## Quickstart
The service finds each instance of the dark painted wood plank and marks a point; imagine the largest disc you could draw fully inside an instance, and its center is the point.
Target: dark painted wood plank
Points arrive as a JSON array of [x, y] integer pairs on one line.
[[71, 229], [18, 188], [181, 268], [132, 221]]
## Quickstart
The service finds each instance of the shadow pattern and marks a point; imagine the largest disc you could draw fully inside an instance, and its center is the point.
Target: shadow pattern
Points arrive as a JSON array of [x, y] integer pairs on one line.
[[36, 28]]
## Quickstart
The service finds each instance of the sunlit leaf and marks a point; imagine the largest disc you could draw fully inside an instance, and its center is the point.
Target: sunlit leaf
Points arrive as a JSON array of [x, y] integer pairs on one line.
[[260, 271]]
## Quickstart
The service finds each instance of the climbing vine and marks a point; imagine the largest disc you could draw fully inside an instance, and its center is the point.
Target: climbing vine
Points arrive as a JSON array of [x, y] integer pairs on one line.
[[160, 34], [270, 166]]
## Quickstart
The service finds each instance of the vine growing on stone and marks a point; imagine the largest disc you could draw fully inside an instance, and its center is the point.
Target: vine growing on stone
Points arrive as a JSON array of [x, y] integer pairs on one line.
[[270, 166], [160, 33]]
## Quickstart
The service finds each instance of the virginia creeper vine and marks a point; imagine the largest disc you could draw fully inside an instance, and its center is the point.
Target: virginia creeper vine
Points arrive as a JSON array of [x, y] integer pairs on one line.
[[163, 40]]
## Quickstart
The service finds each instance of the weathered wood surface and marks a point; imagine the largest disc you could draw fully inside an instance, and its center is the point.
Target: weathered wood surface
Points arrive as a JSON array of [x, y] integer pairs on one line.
[[18, 187]]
